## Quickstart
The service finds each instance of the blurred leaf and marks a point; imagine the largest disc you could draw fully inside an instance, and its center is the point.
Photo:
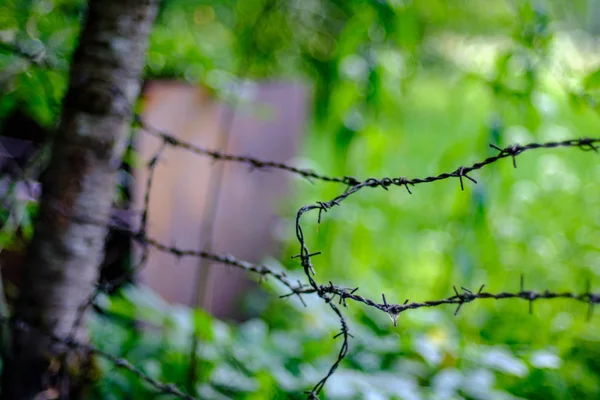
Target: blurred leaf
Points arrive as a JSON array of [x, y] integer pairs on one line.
[[592, 80]]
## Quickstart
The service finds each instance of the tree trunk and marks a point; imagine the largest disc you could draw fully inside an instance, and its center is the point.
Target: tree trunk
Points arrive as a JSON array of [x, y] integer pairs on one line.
[[62, 262]]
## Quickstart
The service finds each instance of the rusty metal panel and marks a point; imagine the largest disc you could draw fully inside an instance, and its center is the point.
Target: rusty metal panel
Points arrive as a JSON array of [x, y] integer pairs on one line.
[[270, 126]]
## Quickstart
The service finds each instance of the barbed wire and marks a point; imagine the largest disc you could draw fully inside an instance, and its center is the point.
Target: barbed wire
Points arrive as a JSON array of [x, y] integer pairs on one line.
[[333, 295], [330, 292], [585, 144], [252, 162], [460, 297], [327, 293]]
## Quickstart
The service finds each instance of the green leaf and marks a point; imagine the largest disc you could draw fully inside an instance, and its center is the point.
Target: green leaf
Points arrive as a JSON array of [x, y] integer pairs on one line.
[[592, 80]]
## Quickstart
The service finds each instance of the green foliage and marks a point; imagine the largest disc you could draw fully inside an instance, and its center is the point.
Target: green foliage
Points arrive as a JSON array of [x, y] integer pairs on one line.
[[46, 30], [279, 360], [402, 88]]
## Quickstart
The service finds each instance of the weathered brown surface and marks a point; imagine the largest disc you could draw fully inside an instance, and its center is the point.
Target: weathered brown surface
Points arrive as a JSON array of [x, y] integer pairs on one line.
[[63, 258], [269, 128]]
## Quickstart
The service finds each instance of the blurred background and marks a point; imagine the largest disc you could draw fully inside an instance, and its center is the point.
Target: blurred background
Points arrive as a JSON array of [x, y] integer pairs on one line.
[[364, 88]]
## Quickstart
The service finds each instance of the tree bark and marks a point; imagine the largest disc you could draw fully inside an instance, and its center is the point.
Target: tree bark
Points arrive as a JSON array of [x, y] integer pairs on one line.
[[62, 262]]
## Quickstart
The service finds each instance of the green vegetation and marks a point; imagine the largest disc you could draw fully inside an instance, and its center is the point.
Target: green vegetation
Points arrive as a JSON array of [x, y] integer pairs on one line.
[[402, 88]]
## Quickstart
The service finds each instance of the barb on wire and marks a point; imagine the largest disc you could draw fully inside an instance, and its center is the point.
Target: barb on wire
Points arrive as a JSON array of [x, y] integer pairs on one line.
[[460, 297], [252, 162], [345, 335], [263, 271]]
